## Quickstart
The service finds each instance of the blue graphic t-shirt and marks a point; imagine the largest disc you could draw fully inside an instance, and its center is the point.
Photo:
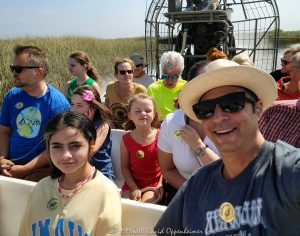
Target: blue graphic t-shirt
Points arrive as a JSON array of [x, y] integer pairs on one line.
[[27, 117]]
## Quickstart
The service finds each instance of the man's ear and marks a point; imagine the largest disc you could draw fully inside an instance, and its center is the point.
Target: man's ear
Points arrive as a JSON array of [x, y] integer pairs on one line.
[[40, 72], [259, 108]]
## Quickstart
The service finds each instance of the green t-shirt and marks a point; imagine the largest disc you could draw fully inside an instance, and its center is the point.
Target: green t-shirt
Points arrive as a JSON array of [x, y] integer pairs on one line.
[[73, 85], [164, 97]]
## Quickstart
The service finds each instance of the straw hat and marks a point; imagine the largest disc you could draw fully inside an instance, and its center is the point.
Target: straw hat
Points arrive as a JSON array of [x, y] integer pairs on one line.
[[223, 72]]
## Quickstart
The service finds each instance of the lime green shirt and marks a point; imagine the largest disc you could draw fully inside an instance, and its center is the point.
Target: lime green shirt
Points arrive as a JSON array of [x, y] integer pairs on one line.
[[164, 97]]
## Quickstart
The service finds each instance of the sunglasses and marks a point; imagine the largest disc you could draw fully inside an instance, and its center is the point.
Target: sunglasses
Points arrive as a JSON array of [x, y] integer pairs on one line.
[[229, 103], [123, 72], [139, 65], [285, 62], [19, 69], [166, 76]]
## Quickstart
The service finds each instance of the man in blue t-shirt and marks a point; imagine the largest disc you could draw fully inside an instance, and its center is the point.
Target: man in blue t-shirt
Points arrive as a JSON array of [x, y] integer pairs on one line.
[[254, 188], [25, 110]]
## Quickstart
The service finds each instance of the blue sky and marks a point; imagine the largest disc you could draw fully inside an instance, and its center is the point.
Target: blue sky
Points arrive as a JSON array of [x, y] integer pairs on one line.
[[96, 18]]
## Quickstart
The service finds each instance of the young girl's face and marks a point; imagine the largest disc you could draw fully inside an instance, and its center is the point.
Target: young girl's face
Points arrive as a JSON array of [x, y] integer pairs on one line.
[[69, 150], [75, 68], [142, 112], [80, 105]]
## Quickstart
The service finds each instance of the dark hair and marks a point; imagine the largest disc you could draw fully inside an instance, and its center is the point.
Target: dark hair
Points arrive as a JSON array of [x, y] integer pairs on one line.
[[36, 56], [129, 125], [101, 111], [69, 119], [83, 59], [193, 72]]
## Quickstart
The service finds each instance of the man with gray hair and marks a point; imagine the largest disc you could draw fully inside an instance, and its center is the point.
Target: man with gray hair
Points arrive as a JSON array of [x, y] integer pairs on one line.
[[254, 188], [165, 90], [288, 88]]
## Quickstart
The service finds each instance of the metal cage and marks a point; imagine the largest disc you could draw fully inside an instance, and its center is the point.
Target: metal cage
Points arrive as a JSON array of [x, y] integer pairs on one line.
[[233, 26]]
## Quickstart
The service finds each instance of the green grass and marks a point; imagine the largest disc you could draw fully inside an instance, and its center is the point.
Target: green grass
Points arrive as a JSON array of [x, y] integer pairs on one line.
[[101, 52], [287, 37]]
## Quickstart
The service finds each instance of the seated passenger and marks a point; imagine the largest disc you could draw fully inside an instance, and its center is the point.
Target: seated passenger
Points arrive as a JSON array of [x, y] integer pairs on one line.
[[119, 93], [77, 199], [86, 100], [165, 90], [25, 110], [282, 122], [83, 73], [287, 88], [139, 163], [139, 74]]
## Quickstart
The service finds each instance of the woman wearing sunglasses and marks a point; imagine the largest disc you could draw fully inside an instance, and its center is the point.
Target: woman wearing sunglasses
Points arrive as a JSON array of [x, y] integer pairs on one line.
[[118, 93]]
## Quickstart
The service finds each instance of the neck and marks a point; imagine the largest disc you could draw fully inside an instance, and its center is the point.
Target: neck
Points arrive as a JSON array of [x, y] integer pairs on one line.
[[70, 180], [237, 161], [37, 90], [140, 75], [292, 86], [82, 78]]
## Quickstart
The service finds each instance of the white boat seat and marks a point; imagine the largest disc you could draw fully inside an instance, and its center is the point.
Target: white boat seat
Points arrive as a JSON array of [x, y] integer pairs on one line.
[[136, 216]]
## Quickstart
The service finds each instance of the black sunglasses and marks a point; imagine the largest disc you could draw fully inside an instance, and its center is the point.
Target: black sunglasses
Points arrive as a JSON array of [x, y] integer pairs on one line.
[[285, 62], [139, 65], [123, 72], [19, 69], [230, 103]]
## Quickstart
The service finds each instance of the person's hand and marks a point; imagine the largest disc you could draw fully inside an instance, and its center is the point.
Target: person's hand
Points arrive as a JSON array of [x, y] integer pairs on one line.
[[5, 167], [191, 137], [136, 195], [159, 191], [18, 171]]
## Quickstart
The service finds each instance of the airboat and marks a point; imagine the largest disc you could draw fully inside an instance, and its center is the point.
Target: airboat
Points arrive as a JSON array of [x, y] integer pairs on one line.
[[191, 28]]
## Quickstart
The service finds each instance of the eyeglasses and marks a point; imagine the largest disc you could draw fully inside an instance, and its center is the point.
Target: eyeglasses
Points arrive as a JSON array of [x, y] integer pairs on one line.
[[229, 103], [19, 69], [166, 76], [285, 62], [123, 72], [139, 65]]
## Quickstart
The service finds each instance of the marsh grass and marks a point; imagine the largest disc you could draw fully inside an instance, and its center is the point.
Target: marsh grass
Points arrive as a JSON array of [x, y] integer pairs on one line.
[[101, 52]]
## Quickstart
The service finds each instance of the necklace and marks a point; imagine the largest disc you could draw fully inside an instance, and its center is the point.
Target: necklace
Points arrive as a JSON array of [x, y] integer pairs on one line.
[[78, 186]]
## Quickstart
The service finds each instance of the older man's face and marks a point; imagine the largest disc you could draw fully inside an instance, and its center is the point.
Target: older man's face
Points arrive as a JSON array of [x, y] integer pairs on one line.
[[170, 77], [231, 131], [286, 66]]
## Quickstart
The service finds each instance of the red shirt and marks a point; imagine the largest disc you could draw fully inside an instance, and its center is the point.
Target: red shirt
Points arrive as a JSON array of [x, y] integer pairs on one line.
[[283, 92], [282, 121], [143, 162]]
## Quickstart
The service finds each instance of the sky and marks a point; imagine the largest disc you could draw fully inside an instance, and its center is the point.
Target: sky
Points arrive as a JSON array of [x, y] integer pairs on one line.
[[104, 19]]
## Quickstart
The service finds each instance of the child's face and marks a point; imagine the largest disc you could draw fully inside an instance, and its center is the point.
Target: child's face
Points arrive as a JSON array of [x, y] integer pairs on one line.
[[75, 68], [78, 104], [142, 112], [69, 150]]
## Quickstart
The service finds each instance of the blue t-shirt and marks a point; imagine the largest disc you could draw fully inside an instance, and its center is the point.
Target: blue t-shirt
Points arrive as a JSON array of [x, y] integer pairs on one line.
[[102, 158], [27, 116]]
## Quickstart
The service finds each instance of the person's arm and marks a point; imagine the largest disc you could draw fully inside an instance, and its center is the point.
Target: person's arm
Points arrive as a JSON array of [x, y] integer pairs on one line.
[[169, 170], [126, 172], [65, 89], [97, 87], [102, 133], [190, 136], [21, 171], [5, 164], [107, 102]]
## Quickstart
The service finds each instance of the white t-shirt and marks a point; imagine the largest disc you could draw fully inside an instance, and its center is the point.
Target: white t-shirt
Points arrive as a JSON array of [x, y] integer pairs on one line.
[[183, 156], [146, 80]]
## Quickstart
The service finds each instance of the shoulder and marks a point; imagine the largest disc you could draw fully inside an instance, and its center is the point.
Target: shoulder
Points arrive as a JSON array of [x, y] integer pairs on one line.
[[140, 88], [288, 154], [105, 184], [110, 86]]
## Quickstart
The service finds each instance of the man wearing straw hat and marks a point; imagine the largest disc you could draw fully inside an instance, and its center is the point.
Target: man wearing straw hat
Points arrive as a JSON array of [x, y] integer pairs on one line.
[[254, 188]]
